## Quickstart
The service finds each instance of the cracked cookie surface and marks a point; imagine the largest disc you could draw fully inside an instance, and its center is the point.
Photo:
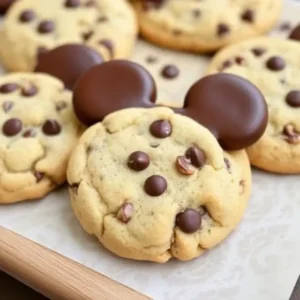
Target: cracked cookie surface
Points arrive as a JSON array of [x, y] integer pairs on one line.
[[152, 184], [201, 26], [38, 132], [273, 66], [32, 27]]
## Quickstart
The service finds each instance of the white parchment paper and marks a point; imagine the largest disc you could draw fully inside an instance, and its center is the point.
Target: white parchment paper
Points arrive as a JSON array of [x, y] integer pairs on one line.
[[260, 260]]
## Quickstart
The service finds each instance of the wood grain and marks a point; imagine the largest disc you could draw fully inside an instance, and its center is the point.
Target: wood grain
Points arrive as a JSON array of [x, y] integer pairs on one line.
[[56, 276]]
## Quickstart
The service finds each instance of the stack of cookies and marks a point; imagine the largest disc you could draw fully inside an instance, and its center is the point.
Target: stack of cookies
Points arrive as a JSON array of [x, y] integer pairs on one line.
[[152, 182]]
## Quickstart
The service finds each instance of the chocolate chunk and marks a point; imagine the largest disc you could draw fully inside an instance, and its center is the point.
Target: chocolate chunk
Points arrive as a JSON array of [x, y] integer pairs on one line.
[[138, 161], [125, 212], [7, 106], [68, 62], [228, 165], [39, 176], [222, 30], [170, 71], [184, 166], [295, 34], [29, 133], [275, 63], [161, 129], [258, 51], [109, 45], [27, 16], [51, 127], [95, 96], [189, 221], [293, 98], [12, 127], [72, 3], [5, 4], [196, 156], [155, 185], [87, 35], [291, 135], [232, 108], [29, 91], [46, 26], [248, 16], [239, 60], [8, 88], [61, 105]]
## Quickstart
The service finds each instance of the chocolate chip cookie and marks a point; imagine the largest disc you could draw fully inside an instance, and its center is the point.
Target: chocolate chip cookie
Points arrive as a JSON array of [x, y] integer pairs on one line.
[[38, 131], [150, 191], [32, 27], [273, 66], [201, 26]]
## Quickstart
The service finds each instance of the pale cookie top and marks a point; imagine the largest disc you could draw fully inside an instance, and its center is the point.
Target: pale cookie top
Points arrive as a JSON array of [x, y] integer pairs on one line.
[[273, 65], [206, 25], [38, 131], [152, 185], [33, 26]]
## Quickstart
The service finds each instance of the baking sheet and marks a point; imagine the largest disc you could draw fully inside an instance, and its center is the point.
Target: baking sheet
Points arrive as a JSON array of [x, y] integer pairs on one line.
[[260, 260]]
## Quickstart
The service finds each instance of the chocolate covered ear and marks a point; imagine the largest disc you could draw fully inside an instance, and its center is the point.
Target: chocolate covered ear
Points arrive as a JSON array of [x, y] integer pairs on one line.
[[232, 108], [112, 86]]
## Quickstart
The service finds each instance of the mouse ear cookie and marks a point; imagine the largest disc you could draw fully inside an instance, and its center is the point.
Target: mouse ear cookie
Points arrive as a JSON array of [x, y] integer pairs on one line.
[[38, 130], [150, 191], [232, 108], [32, 27], [201, 26], [273, 66]]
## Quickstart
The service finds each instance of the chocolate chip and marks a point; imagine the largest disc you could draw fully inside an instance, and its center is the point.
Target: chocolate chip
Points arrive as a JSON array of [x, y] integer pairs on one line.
[[161, 129], [29, 91], [222, 30], [189, 221], [151, 59], [51, 127], [177, 32], [87, 35], [27, 16], [239, 60], [60, 105], [155, 185], [285, 26], [291, 135], [39, 176], [258, 51], [295, 34], [196, 13], [68, 62], [293, 98], [29, 133], [102, 19], [90, 3], [7, 106], [12, 127], [170, 71], [109, 45], [242, 185], [46, 26], [72, 3], [228, 165], [226, 64], [8, 88], [125, 212], [138, 161], [5, 4], [196, 156], [184, 165], [152, 4], [275, 63], [248, 16]]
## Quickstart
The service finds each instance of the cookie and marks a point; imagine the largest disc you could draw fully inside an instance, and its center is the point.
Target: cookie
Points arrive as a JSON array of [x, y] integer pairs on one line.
[[202, 26], [32, 27], [38, 132], [68, 62], [273, 66], [153, 182]]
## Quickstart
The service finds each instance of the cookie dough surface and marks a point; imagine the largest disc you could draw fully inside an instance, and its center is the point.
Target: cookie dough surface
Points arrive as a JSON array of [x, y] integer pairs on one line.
[[38, 132], [201, 26], [31, 27], [273, 65], [150, 191]]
